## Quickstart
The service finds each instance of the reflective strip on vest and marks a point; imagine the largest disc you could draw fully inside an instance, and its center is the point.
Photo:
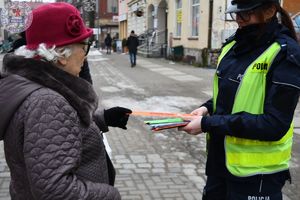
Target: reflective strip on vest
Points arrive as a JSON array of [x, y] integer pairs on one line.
[[245, 157], [216, 84], [216, 80]]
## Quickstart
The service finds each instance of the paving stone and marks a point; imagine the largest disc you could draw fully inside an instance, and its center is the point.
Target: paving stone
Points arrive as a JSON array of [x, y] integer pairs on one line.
[[4, 198], [141, 187], [122, 161], [188, 196], [158, 165], [155, 158], [127, 189], [158, 170], [174, 165], [189, 172], [155, 194], [131, 197], [144, 165], [171, 195], [129, 166], [189, 166], [138, 159], [175, 170], [125, 171], [4, 174], [142, 171]]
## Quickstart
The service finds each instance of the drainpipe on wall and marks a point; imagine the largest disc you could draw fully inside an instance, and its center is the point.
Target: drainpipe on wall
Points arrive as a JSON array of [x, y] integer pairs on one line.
[[210, 21]]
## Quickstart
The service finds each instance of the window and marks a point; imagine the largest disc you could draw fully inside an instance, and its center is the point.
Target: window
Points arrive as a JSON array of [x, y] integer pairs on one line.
[[296, 21], [114, 9], [112, 6], [195, 17], [178, 17]]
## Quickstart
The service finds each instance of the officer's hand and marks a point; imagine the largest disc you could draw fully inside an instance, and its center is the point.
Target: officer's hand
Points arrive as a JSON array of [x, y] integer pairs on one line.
[[117, 117], [202, 111], [194, 127]]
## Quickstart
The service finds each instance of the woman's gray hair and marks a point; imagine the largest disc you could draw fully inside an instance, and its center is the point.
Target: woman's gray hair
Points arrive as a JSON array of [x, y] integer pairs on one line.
[[50, 54]]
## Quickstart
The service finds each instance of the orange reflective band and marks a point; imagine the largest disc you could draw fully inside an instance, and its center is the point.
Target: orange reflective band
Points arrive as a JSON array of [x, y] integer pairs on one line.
[[160, 114]]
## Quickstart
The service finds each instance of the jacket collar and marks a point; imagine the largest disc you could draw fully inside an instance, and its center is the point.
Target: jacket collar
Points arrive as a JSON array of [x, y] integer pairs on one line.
[[255, 36], [78, 92]]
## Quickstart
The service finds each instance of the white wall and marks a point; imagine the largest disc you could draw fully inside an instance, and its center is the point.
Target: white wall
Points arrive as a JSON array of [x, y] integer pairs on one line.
[[138, 24]]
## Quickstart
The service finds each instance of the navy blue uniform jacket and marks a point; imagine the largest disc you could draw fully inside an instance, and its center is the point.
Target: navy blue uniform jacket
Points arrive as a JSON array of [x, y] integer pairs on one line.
[[282, 92]]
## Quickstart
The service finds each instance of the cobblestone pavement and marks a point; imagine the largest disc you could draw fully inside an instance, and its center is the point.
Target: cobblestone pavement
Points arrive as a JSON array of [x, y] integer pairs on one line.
[[167, 165]]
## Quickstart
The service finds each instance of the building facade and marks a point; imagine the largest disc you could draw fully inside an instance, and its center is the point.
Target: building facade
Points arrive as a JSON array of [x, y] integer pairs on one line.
[[123, 16], [188, 26], [107, 19], [136, 16], [157, 22], [199, 26]]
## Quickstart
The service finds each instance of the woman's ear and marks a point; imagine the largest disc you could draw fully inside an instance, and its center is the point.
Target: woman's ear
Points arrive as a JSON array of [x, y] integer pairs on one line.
[[269, 13], [62, 61]]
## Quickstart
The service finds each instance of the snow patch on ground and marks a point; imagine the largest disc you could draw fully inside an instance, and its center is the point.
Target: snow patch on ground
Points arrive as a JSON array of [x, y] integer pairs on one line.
[[155, 103]]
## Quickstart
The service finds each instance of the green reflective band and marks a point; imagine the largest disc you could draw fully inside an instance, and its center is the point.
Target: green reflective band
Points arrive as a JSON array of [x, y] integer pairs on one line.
[[161, 121]]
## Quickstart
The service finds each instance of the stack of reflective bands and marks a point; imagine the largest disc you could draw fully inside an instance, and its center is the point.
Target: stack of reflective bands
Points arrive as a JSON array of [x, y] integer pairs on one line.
[[162, 124]]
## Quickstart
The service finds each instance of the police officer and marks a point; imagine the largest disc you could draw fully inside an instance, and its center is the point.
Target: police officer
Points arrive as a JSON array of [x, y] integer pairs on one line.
[[249, 119]]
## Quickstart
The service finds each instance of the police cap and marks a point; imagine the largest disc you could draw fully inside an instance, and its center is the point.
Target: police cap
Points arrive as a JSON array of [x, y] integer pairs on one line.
[[245, 5]]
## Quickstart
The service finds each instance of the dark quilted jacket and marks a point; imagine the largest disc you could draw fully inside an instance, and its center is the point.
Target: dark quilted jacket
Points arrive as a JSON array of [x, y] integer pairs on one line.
[[52, 146]]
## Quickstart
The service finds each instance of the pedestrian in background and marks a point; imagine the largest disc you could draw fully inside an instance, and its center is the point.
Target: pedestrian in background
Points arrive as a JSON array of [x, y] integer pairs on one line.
[[249, 119], [108, 42], [52, 144], [132, 44]]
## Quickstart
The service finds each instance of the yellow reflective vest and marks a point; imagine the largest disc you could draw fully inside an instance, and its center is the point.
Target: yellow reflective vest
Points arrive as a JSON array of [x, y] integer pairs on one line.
[[245, 157]]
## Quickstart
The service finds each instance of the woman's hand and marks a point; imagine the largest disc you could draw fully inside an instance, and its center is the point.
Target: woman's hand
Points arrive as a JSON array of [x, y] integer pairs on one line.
[[202, 111], [117, 117], [194, 127]]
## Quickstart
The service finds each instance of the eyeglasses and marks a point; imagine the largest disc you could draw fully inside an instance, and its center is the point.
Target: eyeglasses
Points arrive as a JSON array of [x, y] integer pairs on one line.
[[244, 15], [86, 48]]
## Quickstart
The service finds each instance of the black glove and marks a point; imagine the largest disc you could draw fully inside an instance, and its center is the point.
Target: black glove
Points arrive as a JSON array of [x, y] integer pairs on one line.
[[117, 117]]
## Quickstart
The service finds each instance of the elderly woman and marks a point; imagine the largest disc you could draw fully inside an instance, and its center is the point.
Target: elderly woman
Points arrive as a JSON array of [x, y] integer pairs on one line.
[[53, 147]]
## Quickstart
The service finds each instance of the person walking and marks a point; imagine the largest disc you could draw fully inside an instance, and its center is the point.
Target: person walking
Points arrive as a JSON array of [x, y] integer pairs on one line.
[[249, 119], [132, 44], [108, 42], [51, 129]]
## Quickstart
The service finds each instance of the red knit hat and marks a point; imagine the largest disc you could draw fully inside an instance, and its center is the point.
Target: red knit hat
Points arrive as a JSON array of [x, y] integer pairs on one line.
[[56, 24]]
